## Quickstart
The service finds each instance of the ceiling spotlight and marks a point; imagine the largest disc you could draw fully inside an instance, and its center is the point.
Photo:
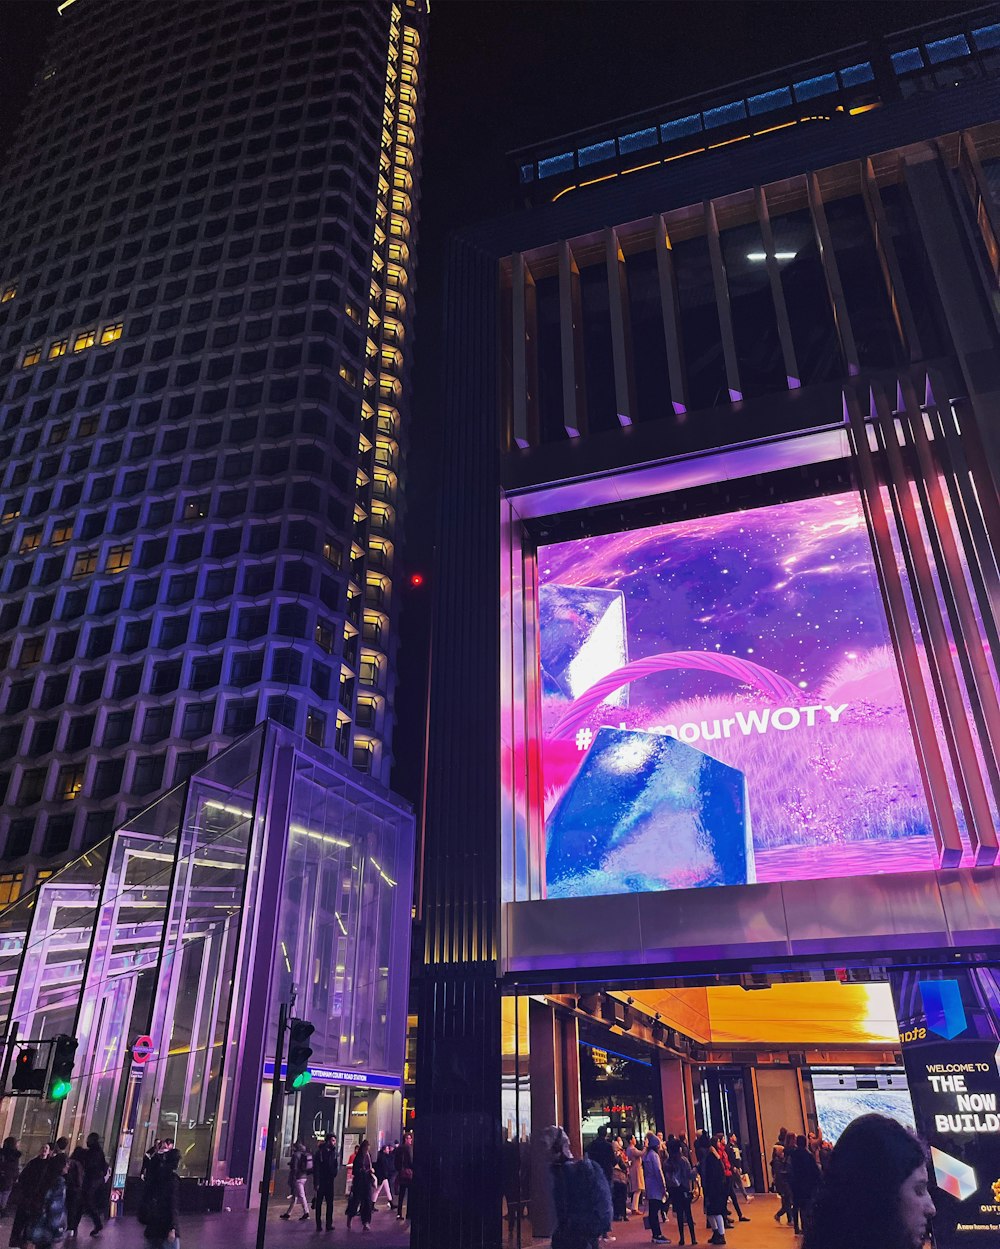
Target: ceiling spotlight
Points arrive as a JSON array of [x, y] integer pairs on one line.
[[761, 256]]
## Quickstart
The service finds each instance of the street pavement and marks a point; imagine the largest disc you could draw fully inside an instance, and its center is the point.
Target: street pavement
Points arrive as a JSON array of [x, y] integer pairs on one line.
[[238, 1230]]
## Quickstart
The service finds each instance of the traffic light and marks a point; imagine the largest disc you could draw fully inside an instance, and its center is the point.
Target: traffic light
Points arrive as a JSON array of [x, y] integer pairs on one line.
[[27, 1077], [61, 1067], [297, 1074]]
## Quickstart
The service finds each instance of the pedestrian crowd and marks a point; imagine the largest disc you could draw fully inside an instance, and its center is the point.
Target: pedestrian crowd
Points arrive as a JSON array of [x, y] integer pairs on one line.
[[389, 1174], [52, 1191], [825, 1190]]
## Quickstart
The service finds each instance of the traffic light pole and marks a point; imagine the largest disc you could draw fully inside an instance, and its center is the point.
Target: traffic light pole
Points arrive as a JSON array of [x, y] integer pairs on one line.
[[8, 1056], [273, 1125]]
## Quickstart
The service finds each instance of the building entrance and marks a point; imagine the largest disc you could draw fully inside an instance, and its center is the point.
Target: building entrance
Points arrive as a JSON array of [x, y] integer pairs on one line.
[[757, 1057]]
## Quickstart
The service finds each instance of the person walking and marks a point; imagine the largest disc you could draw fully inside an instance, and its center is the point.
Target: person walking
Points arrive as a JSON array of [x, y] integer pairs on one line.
[[326, 1164], [359, 1204], [94, 1184], [48, 1223], [10, 1169], [27, 1195], [779, 1173], [656, 1188], [636, 1184], [580, 1195], [874, 1194], [298, 1170], [803, 1175], [716, 1185], [679, 1176], [402, 1158], [383, 1163], [162, 1229]]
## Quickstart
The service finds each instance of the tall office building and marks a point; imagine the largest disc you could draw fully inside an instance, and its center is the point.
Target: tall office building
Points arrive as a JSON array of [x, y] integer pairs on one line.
[[730, 382], [206, 228]]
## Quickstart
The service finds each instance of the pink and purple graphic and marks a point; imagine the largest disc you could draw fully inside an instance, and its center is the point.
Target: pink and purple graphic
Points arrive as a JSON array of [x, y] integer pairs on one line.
[[755, 640]]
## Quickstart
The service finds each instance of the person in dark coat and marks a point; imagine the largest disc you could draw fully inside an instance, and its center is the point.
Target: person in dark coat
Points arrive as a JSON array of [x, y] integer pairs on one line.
[[359, 1204], [48, 1224], [96, 1174], [804, 1177], [782, 1186], [10, 1169], [28, 1195], [679, 1174], [383, 1177], [326, 1164], [402, 1159], [162, 1223], [581, 1195], [600, 1150], [717, 1187]]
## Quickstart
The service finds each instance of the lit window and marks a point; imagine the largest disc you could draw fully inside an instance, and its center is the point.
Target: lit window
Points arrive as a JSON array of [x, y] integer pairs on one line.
[[70, 783], [353, 313], [348, 375], [333, 553], [111, 333], [85, 563], [58, 348], [8, 294], [63, 532], [11, 511], [197, 508], [315, 727], [31, 540], [368, 670], [32, 356], [10, 887], [84, 340], [119, 558]]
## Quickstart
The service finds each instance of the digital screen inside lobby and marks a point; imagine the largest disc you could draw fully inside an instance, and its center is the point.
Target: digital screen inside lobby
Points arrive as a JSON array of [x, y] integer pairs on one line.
[[721, 705]]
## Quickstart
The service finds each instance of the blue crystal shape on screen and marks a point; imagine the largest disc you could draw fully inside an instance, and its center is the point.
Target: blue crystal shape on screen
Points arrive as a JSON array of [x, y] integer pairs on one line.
[[582, 638], [943, 1007], [646, 812]]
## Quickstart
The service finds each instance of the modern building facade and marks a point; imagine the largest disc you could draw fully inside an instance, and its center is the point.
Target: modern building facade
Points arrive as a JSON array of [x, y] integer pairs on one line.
[[274, 874], [720, 714], [207, 223]]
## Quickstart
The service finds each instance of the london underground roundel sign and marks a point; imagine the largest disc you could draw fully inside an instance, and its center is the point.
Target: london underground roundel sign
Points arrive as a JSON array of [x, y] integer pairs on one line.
[[142, 1049]]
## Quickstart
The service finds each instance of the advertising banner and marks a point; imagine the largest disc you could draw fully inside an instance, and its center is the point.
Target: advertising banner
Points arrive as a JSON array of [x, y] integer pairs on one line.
[[951, 1050], [721, 704]]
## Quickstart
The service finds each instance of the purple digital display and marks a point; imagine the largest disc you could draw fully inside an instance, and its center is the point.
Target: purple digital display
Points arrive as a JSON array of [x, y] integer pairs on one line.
[[721, 704]]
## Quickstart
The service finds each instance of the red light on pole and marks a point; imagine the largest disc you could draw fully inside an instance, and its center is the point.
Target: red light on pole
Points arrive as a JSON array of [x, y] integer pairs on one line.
[[416, 580]]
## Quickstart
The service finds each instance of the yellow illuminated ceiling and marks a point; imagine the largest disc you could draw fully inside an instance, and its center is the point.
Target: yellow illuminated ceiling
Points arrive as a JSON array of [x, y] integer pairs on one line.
[[809, 1014]]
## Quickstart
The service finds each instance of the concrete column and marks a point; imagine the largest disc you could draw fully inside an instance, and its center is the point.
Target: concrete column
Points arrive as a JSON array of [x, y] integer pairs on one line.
[[545, 1060]]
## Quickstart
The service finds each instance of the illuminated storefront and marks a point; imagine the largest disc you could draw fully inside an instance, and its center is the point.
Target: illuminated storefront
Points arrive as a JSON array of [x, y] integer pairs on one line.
[[166, 950]]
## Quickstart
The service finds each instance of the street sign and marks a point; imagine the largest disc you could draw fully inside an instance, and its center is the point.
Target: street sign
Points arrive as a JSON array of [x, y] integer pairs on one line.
[[142, 1049]]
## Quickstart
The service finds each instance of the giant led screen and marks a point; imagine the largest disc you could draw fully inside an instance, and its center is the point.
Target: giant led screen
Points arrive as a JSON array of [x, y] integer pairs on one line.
[[721, 705]]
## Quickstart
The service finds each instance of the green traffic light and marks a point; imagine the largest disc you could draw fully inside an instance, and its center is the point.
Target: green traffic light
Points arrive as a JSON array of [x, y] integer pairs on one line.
[[60, 1090], [302, 1079]]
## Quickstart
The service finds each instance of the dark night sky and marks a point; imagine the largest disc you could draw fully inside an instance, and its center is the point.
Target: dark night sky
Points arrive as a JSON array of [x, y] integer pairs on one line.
[[505, 73]]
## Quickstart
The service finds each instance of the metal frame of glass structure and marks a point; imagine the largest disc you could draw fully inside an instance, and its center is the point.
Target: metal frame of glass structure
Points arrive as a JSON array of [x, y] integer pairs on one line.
[[274, 865]]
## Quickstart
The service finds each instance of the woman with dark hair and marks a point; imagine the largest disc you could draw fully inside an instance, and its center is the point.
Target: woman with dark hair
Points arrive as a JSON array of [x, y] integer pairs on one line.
[[717, 1186], [852, 1211]]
